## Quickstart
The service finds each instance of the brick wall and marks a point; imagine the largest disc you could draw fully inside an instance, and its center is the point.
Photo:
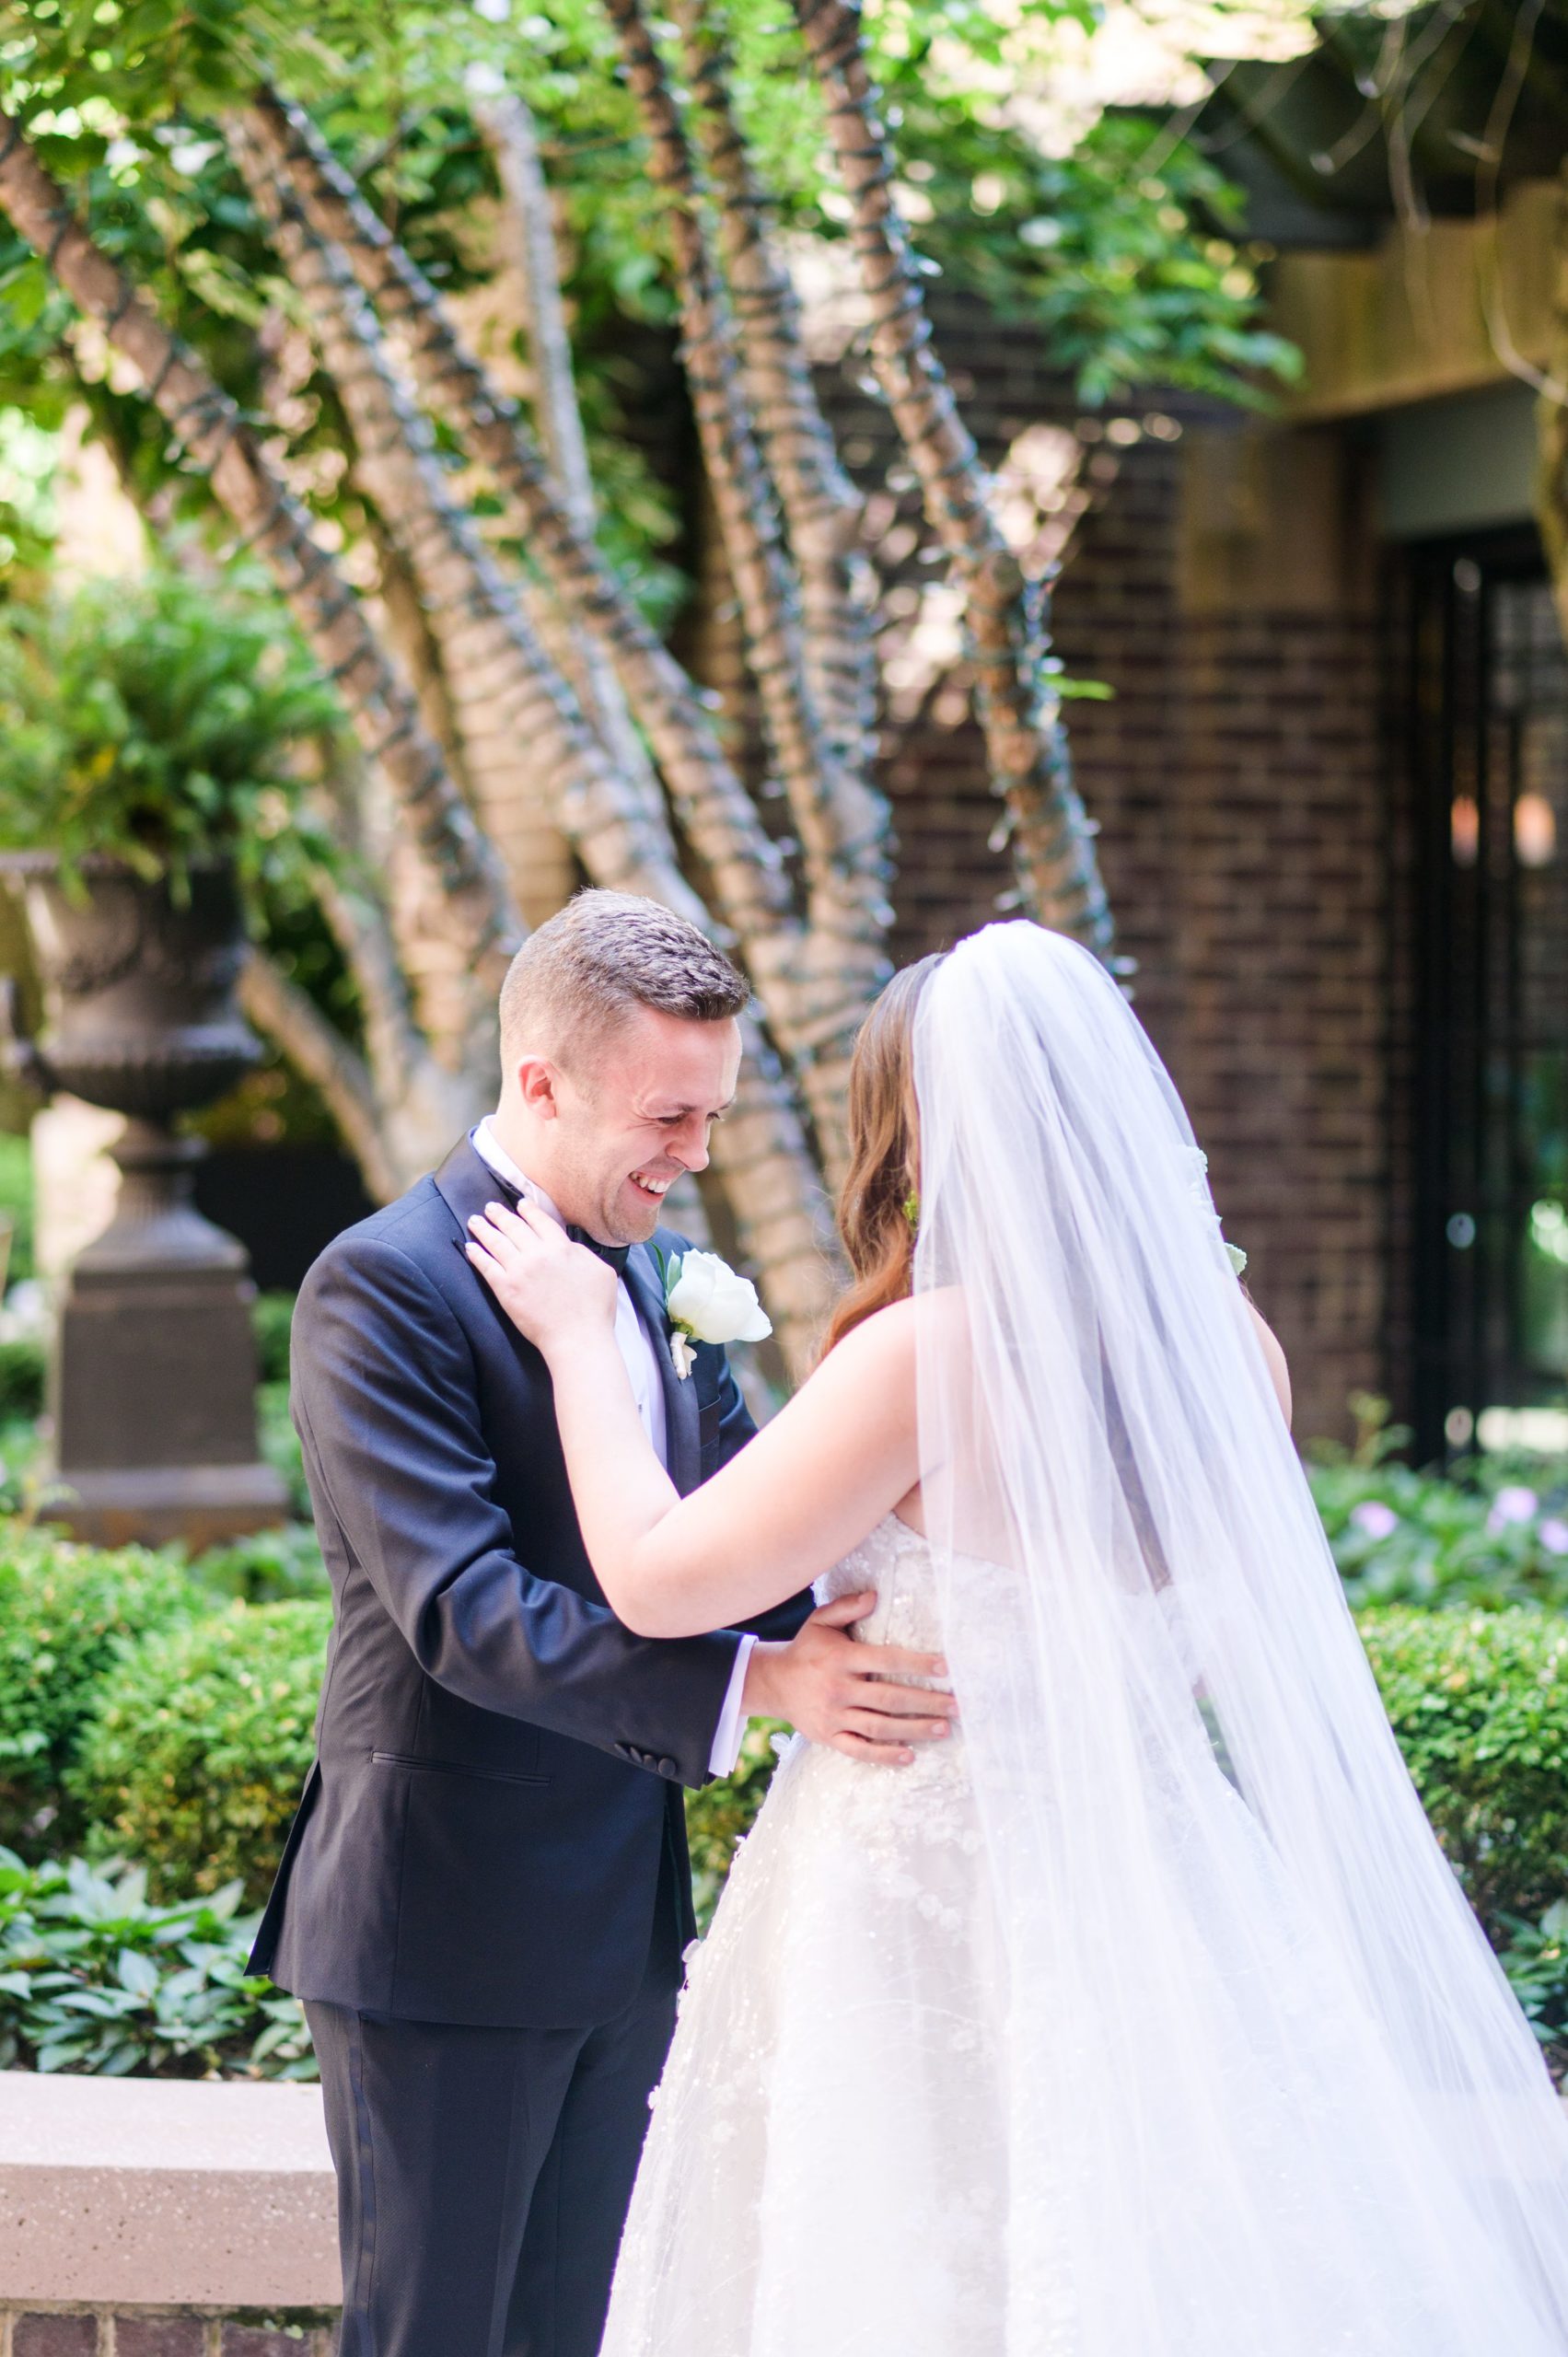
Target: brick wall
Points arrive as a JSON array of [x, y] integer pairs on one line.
[[159, 2332], [1217, 578]]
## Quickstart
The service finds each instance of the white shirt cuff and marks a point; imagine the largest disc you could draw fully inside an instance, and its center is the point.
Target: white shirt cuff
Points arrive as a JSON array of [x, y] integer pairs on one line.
[[726, 1754]]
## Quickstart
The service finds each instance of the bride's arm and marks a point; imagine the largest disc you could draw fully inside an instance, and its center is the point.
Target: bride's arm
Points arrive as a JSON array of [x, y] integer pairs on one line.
[[797, 1498]]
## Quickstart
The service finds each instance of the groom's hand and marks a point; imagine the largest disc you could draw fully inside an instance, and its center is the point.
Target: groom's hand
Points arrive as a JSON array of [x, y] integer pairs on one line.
[[857, 1698]]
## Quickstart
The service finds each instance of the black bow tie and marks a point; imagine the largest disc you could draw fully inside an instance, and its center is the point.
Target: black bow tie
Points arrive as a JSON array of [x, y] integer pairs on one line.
[[615, 1256]]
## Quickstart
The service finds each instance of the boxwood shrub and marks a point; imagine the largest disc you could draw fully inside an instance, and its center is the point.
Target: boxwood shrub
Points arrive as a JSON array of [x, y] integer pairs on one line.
[[67, 1613], [200, 1743], [1478, 1702]]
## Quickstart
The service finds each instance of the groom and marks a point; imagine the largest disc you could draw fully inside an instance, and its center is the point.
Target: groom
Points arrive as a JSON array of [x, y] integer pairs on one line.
[[485, 1895]]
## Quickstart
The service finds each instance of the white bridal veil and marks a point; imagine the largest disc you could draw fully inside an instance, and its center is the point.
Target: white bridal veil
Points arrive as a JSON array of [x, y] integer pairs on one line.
[[1270, 2095]]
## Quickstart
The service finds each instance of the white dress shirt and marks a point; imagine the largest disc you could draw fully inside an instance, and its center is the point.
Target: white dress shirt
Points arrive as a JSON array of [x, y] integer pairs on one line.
[[636, 1347]]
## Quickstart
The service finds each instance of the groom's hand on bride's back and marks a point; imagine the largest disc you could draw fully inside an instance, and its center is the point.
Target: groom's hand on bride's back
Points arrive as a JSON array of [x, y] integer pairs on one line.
[[859, 1700]]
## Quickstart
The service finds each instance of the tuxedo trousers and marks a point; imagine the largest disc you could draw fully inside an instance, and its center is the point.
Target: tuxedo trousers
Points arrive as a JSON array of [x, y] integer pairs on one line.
[[483, 2175]]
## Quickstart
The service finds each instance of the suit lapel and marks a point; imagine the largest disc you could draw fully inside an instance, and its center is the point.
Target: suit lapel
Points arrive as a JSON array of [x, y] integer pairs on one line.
[[680, 1412], [465, 1183]]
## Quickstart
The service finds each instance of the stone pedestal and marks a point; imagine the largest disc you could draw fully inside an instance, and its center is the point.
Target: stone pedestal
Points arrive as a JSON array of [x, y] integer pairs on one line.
[[155, 1367], [153, 1377]]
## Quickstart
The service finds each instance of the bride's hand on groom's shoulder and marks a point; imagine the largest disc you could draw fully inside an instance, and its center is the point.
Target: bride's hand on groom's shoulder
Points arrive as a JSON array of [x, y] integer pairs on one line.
[[549, 1287]]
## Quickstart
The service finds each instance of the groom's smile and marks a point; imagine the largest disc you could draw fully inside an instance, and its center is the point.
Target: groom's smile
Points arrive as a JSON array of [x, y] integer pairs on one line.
[[607, 1120]]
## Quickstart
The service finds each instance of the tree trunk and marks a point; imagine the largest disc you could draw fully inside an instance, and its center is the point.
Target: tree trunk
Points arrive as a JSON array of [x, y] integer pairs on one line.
[[527, 247], [293, 1021], [506, 697], [822, 508], [526, 746], [841, 822], [1052, 844], [208, 427], [747, 876], [811, 1018]]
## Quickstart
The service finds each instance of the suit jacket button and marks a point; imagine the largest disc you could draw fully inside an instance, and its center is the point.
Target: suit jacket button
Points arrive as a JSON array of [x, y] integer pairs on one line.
[[668, 1768]]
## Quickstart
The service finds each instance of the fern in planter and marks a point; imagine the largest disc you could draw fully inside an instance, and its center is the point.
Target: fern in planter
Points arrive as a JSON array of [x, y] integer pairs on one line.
[[157, 721]]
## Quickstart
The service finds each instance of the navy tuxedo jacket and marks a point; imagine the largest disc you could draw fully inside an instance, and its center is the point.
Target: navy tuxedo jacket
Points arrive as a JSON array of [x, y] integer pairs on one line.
[[499, 1763]]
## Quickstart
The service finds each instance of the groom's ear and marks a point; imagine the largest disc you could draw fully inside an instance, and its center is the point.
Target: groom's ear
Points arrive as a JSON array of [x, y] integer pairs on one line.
[[537, 1086]]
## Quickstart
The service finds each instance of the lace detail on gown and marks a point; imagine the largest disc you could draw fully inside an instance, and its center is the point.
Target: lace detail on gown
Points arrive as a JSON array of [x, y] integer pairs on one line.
[[824, 2172]]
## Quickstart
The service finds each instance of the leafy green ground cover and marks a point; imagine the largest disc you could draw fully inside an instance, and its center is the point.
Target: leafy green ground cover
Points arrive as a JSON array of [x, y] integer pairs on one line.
[[94, 1976]]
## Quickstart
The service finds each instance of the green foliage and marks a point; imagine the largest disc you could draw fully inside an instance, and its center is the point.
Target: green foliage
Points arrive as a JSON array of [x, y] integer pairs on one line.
[[25, 1491], [720, 1816], [155, 720], [280, 1443], [1493, 1532], [95, 1978], [1132, 262], [68, 1614], [23, 1371], [17, 1204], [200, 1743], [272, 1321], [1535, 1958], [1123, 267], [267, 1567], [1479, 1702]]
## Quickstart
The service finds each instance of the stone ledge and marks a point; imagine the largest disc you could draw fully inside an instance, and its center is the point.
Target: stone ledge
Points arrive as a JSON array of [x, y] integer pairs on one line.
[[164, 2193]]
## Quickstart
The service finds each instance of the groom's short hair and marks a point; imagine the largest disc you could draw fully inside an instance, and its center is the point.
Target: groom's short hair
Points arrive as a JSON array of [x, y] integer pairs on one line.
[[603, 954]]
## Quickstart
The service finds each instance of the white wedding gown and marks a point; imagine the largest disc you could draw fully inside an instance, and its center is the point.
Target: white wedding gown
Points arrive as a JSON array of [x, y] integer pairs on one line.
[[827, 2166], [822, 2171]]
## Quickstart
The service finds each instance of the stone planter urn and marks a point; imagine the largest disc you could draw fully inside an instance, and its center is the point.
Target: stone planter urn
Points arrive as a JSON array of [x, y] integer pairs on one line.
[[153, 1377]]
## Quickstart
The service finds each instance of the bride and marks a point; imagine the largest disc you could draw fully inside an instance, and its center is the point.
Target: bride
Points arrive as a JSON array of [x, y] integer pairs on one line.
[[1143, 2016]]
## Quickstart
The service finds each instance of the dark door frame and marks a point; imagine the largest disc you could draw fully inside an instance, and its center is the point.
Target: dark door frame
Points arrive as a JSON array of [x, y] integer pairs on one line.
[[1456, 1178]]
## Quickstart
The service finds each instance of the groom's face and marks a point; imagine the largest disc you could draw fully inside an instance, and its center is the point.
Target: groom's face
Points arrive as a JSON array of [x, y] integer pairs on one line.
[[633, 1113]]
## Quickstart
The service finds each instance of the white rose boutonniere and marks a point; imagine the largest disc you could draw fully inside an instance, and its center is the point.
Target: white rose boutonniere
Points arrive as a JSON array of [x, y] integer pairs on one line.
[[707, 1302]]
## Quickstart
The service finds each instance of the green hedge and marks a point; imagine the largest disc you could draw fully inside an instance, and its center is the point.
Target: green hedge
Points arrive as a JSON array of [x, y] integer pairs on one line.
[[140, 1719], [721, 1813], [68, 1614], [201, 1741], [272, 1319], [1480, 1705], [265, 1567]]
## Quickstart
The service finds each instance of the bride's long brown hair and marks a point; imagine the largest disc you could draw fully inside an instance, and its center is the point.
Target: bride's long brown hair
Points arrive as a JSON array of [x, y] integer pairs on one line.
[[883, 1182]]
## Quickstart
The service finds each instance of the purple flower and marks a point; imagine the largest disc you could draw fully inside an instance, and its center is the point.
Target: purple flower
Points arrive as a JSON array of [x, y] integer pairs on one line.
[[1511, 1504], [1376, 1519], [1553, 1536]]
